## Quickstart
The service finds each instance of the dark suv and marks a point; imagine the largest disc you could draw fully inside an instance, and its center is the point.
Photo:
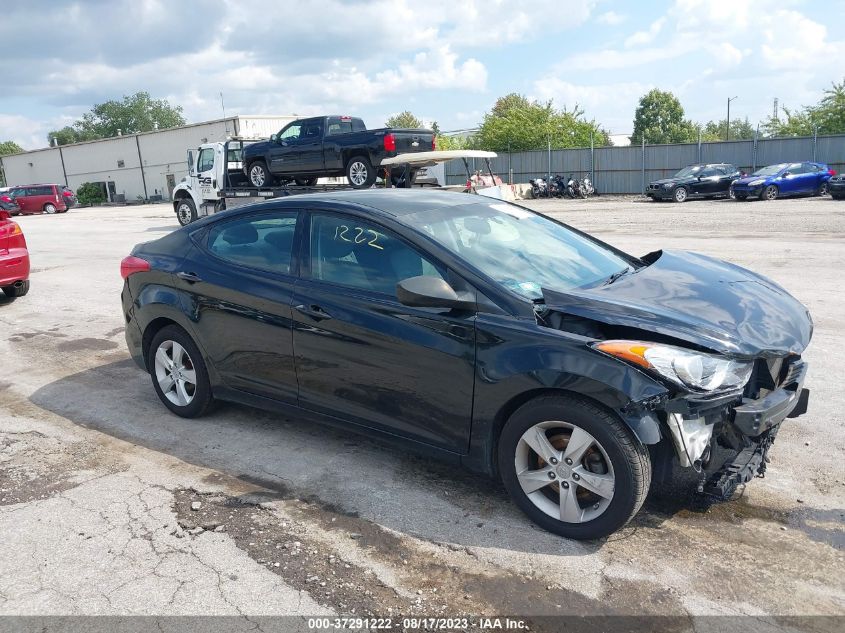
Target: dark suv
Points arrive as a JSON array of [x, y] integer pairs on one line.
[[43, 199], [702, 181]]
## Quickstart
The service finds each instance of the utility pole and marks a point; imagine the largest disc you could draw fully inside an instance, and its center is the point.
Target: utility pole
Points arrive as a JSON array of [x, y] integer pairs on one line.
[[728, 122]]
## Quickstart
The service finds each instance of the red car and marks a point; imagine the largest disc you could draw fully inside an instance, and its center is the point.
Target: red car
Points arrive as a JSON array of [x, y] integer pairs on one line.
[[43, 198], [14, 258]]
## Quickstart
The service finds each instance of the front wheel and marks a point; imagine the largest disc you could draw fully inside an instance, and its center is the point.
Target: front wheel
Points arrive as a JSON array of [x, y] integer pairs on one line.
[[769, 193], [822, 190], [179, 375], [572, 467], [259, 175], [680, 194], [360, 172], [186, 211]]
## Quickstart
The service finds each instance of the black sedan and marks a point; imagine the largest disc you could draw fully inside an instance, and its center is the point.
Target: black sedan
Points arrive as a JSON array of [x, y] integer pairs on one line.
[[480, 332], [836, 187], [695, 181]]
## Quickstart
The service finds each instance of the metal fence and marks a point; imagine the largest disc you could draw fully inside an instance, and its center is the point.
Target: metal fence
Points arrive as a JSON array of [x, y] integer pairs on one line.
[[629, 169]]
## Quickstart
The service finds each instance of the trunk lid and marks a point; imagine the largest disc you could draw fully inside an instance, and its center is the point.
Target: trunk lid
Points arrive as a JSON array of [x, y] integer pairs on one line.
[[698, 299]]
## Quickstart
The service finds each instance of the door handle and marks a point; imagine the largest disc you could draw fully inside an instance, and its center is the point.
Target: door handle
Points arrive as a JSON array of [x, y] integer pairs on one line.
[[314, 311], [191, 278]]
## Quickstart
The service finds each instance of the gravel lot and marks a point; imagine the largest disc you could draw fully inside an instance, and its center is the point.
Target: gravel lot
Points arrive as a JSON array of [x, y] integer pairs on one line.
[[110, 505]]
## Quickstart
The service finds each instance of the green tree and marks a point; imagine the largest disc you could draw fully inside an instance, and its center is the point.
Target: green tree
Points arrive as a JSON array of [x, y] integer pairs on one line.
[[715, 130], [6, 148], [659, 118], [516, 123], [826, 117], [88, 193], [135, 113], [404, 119]]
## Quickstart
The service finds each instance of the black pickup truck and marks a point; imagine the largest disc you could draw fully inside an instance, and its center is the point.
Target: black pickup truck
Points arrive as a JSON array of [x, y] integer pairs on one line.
[[306, 149]]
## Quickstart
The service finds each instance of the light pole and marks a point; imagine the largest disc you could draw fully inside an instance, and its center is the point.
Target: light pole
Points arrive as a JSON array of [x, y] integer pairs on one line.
[[728, 121]]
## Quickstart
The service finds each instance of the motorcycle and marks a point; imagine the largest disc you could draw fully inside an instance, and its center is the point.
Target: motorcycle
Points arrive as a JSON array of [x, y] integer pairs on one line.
[[573, 187], [539, 188], [587, 188], [557, 187]]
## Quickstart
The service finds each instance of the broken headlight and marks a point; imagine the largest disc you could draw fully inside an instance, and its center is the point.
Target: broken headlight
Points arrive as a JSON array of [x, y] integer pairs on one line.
[[692, 370]]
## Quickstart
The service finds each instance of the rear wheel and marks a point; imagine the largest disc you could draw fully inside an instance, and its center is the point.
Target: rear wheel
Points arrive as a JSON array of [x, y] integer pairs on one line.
[[178, 372], [186, 212], [259, 175], [680, 194], [360, 172], [49, 208], [769, 193], [572, 467], [17, 290]]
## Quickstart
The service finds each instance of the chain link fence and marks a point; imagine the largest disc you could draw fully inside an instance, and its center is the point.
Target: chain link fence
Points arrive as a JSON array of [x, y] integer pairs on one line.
[[630, 169]]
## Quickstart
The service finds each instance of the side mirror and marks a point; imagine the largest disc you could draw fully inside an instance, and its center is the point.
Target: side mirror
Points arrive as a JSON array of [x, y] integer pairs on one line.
[[432, 292], [785, 174], [273, 137], [190, 162]]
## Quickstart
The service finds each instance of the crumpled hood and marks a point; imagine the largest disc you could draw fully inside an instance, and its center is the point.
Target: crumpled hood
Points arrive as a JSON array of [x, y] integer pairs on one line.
[[698, 299]]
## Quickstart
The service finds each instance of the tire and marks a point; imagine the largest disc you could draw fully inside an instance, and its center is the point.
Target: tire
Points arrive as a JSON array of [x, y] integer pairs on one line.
[[823, 189], [680, 194], [186, 211], [16, 291], [610, 446], [259, 175], [186, 399], [769, 193], [50, 208], [360, 173], [305, 182]]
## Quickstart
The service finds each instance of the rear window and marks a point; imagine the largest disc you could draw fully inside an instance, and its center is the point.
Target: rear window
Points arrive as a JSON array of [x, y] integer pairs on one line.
[[344, 125]]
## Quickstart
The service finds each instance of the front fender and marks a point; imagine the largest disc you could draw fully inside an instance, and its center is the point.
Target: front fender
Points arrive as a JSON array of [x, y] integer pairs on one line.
[[518, 359]]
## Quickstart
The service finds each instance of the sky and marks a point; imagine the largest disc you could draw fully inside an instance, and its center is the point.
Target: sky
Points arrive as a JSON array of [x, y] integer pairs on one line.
[[444, 60]]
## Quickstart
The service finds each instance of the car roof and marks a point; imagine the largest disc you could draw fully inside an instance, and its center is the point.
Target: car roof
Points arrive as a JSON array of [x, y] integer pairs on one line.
[[393, 202]]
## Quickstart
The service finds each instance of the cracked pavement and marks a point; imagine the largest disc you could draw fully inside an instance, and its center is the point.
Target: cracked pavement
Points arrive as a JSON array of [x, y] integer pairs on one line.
[[97, 478]]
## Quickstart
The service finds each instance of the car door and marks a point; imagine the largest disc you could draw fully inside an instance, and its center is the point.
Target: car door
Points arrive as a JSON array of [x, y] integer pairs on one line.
[[21, 198], [284, 151], [205, 173], [363, 356], [791, 180], [813, 176], [239, 278], [310, 147], [707, 182]]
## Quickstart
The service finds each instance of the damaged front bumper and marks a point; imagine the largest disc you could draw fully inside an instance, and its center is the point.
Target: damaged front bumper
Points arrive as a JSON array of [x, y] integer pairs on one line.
[[747, 426]]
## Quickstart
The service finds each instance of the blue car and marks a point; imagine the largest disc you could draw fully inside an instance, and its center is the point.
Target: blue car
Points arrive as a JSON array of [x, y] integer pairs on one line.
[[784, 179]]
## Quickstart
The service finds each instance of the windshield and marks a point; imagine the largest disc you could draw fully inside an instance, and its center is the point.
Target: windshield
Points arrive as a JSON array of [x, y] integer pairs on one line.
[[689, 171], [771, 170], [519, 249]]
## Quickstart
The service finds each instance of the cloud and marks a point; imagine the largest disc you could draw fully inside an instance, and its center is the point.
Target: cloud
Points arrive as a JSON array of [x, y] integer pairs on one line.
[[646, 37], [611, 104], [611, 18]]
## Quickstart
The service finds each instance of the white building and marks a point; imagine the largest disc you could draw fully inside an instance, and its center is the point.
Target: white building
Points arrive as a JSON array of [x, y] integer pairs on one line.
[[135, 165]]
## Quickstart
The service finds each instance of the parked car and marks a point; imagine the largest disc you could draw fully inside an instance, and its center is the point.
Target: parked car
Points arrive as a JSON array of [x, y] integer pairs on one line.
[[7, 203], [43, 198], [707, 180], [784, 179], [14, 258], [479, 331], [836, 186], [307, 149]]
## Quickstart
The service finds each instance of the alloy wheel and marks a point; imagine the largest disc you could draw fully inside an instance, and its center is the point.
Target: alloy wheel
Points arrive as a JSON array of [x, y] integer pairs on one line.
[[358, 173], [680, 194], [564, 471], [49, 208], [175, 373], [770, 192], [257, 175]]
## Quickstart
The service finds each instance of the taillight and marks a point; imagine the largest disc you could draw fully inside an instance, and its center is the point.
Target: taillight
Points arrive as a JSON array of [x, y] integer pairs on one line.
[[131, 265], [832, 172], [14, 235], [5, 198], [67, 194], [389, 143], [433, 143], [57, 198]]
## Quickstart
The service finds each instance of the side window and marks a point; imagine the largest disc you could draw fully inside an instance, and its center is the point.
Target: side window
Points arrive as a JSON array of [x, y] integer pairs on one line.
[[353, 252], [340, 125], [311, 130], [264, 241], [291, 133], [42, 191], [358, 125], [205, 161], [708, 172], [810, 168], [795, 168]]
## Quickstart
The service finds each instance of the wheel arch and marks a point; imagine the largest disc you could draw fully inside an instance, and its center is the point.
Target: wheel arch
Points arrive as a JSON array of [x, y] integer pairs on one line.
[[153, 328], [645, 428]]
